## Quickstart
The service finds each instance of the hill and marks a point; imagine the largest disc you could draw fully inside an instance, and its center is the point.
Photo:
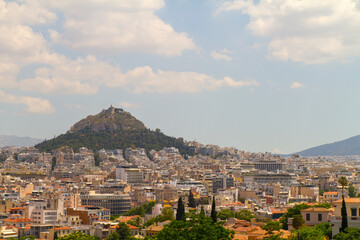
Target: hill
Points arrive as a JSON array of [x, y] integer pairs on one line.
[[111, 119], [350, 146], [112, 128], [6, 140]]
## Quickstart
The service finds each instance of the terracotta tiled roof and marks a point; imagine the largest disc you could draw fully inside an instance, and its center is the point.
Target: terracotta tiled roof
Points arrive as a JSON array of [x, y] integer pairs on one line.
[[240, 237], [330, 193], [132, 227], [235, 204], [62, 228], [17, 220], [349, 200], [317, 209], [17, 208]]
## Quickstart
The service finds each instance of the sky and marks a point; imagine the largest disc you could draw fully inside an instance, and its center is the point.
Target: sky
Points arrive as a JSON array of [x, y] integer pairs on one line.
[[274, 76]]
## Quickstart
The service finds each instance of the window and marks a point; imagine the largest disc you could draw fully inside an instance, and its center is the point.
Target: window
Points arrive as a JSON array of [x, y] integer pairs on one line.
[[308, 217], [353, 212], [320, 217]]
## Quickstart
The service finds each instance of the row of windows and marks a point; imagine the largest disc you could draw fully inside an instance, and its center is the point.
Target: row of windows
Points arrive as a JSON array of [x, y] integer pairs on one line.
[[50, 213], [308, 216]]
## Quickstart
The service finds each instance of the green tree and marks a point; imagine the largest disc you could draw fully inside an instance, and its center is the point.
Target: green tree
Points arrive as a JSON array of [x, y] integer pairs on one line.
[[97, 159], [166, 214], [344, 222], [298, 221], [136, 222], [291, 212], [272, 226], [3, 157], [325, 228], [244, 214], [78, 236], [141, 210], [202, 211], [352, 191], [213, 210], [180, 213], [192, 203], [113, 236], [307, 233], [197, 227], [114, 217], [53, 163], [348, 234], [225, 214], [323, 205], [123, 230]]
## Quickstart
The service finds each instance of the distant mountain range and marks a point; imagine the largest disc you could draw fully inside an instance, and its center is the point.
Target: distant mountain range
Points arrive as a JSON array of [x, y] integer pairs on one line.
[[112, 128], [350, 146], [6, 140]]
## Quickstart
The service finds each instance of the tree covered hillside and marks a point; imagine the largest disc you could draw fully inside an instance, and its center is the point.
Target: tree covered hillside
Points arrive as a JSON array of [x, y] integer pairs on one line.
[[122, 139]]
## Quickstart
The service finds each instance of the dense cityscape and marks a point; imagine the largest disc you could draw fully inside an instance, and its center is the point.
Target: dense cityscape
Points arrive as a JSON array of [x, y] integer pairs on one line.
[[179, 120], [49, 195]]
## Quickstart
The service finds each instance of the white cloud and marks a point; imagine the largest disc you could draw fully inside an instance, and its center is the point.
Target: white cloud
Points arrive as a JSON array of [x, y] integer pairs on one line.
[[29, 12], [306, 31], [297, 85], [86, 75], [115, 27], [221, 55], [128, 105], [53, 73], [144, 79], [34, 105], [80, 76]]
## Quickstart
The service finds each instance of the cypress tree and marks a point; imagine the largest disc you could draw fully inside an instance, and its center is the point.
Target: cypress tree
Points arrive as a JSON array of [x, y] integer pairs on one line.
[[344, 222], [192, 203], [213, 211], [180, 213], [202, 211]]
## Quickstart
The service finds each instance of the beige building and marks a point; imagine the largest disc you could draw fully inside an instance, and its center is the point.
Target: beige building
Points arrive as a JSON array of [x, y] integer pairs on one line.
[[315, 215], [353, 213], [330, 197]]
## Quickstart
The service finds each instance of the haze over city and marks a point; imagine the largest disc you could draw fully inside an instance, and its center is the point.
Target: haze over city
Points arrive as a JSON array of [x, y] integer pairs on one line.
[[262, 76]]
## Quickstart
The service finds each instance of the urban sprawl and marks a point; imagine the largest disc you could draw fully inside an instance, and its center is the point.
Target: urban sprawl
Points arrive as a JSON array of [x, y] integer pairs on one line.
[[52, 195]]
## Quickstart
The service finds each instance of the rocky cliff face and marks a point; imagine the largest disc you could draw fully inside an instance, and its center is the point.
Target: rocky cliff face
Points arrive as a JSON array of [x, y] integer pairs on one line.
[[111, 119]]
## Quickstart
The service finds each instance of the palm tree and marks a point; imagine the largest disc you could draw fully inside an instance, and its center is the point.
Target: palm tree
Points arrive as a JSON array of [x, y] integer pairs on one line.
[[343, 182]]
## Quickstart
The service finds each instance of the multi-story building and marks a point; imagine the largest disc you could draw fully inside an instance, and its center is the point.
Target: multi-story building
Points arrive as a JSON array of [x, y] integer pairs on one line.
[[285, 179], [221, 183], [270, 166], [43, 211], [118, 203], [129, 174]]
